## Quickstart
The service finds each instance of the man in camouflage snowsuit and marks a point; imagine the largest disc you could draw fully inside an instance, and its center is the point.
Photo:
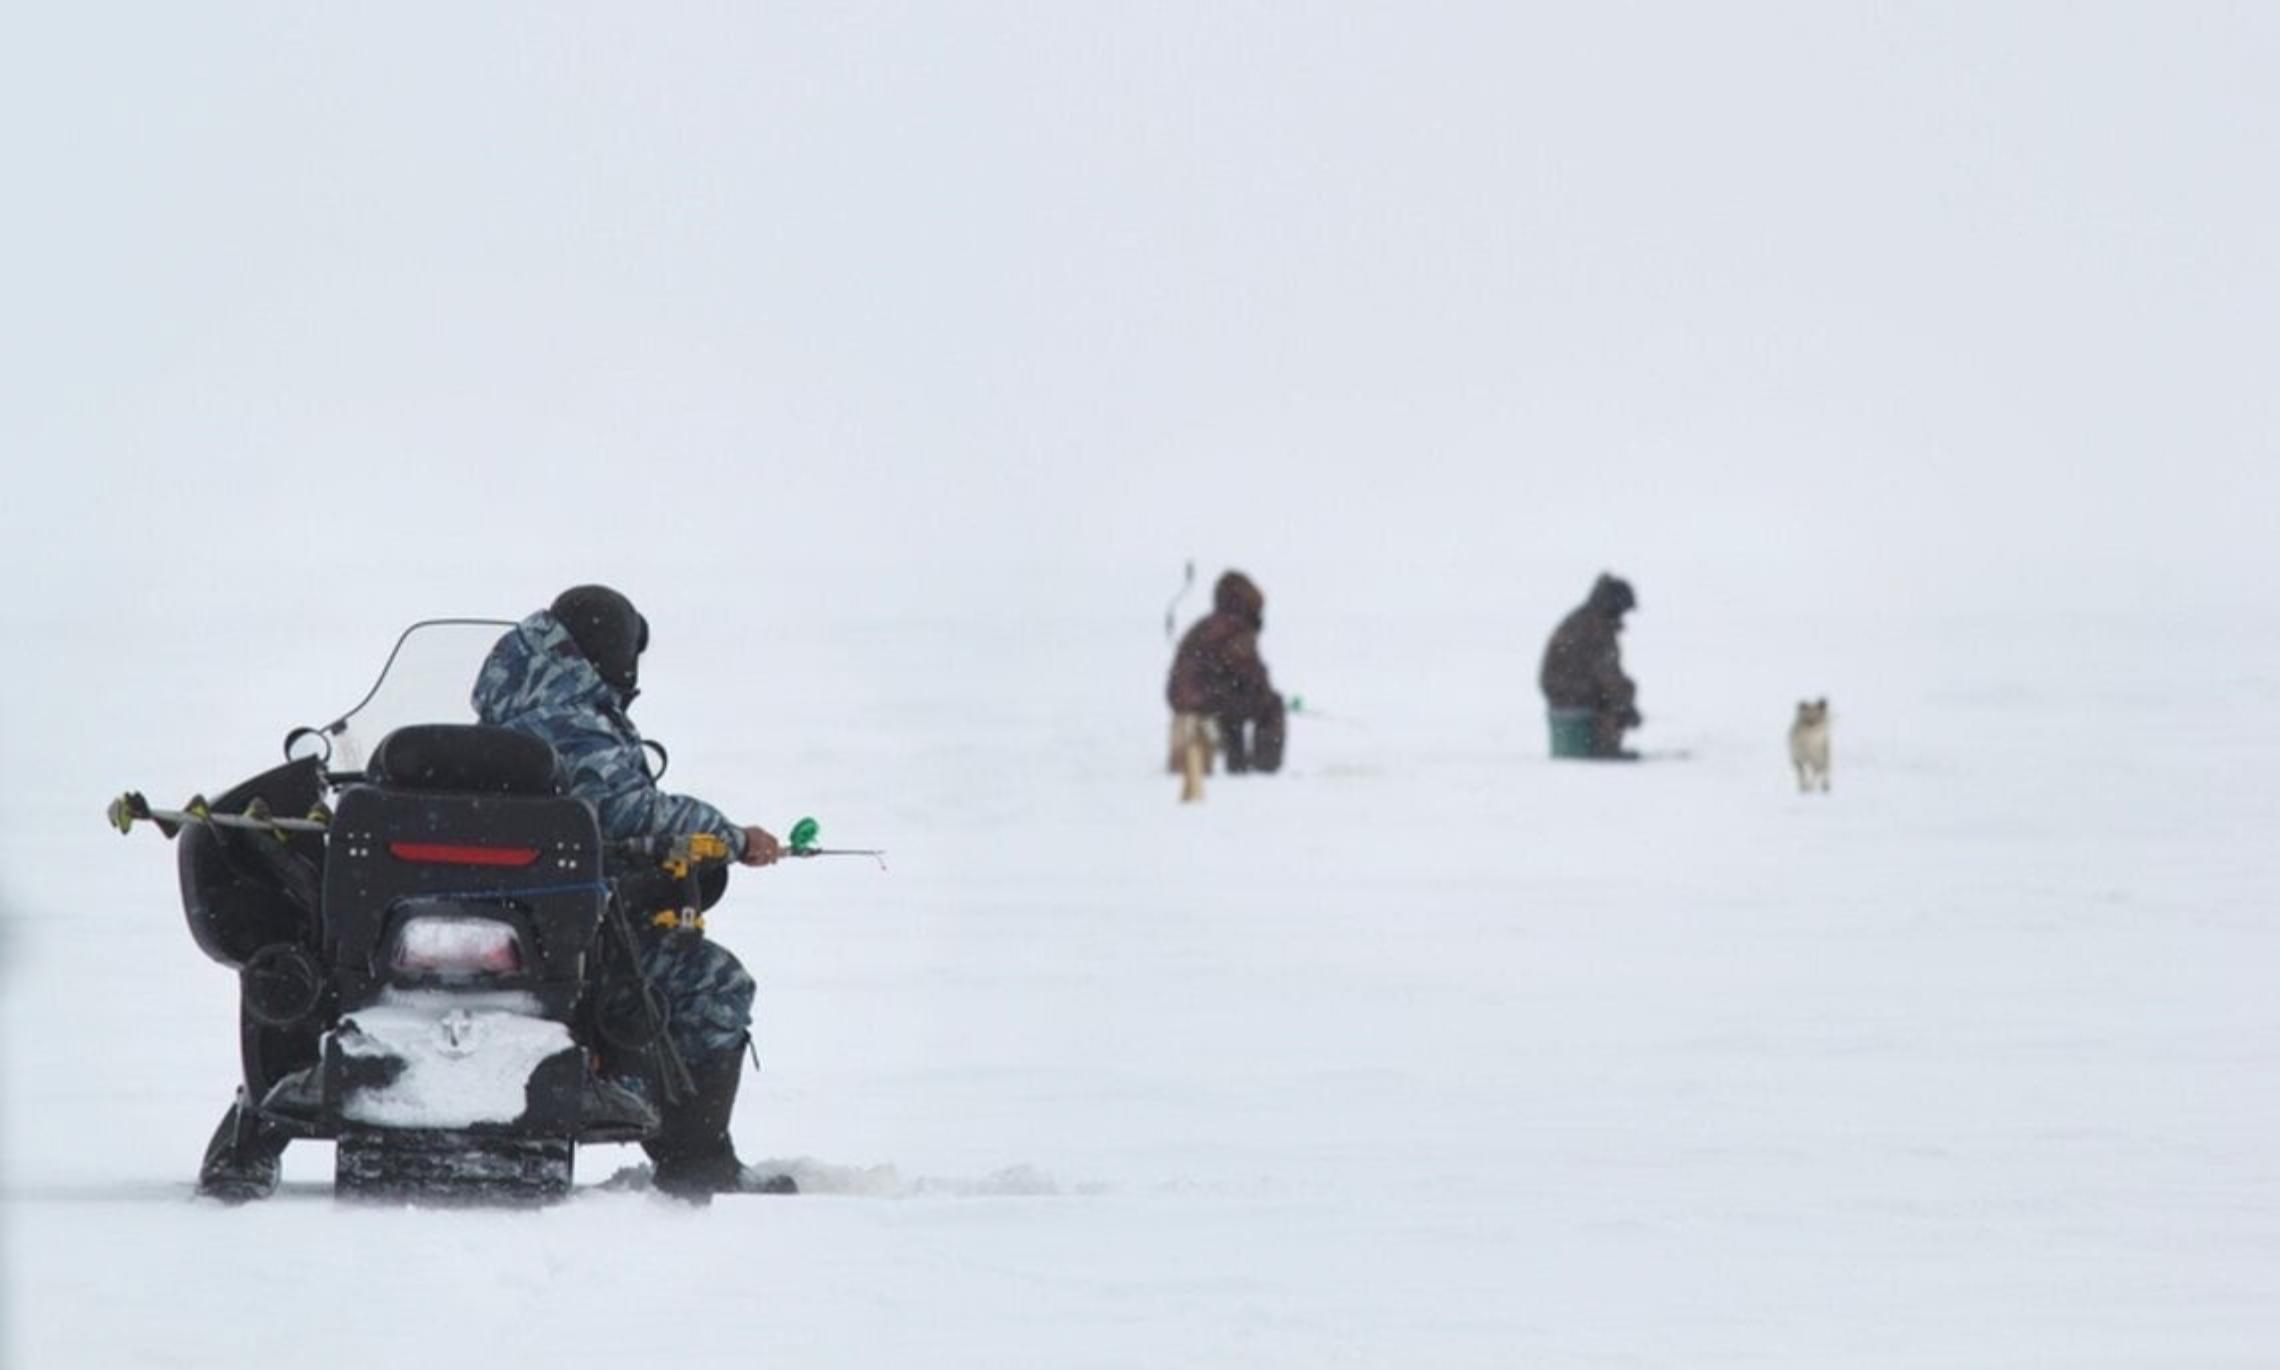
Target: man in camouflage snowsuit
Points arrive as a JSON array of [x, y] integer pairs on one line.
[[567, 675], [1591, 702]]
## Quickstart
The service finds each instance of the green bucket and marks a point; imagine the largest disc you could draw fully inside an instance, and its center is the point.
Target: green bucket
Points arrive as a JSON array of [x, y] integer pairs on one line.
[[1572, 731]]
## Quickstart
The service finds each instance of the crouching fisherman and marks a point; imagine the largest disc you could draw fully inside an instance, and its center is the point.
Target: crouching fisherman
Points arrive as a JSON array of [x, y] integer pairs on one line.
[[1219, 692], [1592, 703], [567, 675]]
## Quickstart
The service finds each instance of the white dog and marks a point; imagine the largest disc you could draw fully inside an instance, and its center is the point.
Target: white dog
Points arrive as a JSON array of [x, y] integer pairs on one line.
[[1809, 745]]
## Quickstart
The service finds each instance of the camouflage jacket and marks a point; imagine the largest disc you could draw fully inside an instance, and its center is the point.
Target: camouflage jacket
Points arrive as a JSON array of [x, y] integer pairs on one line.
[[536, 682]]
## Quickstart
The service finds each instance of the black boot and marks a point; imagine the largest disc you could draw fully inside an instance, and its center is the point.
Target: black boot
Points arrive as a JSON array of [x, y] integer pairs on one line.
[[694, 1157], [1267, 737], [243, 1159], [610, 1112]]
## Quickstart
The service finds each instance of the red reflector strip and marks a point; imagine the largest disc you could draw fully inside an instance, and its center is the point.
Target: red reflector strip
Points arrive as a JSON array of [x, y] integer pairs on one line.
[[445, 853]]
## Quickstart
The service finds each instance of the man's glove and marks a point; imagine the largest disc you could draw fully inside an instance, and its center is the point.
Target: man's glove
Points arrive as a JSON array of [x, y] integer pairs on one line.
[[760, 847]]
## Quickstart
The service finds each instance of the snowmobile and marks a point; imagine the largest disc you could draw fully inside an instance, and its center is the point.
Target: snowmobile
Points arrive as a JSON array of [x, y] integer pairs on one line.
[[436, 964]]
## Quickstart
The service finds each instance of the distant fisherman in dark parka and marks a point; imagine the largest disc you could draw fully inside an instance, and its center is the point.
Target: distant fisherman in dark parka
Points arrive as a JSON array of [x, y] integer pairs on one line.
[[1217, 675], [1592, 702]]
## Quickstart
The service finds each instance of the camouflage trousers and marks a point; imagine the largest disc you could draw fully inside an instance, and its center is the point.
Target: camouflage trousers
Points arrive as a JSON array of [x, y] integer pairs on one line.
[[707, 993]]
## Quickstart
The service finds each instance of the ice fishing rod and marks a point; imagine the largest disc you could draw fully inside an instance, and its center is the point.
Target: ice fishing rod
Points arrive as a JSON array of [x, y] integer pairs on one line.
[[1171, 610], [802, 843], [131, 808], [1297, 708], [679, 855]]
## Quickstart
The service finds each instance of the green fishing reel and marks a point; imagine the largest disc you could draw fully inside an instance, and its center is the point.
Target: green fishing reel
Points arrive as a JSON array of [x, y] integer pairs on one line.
[[801, 841]]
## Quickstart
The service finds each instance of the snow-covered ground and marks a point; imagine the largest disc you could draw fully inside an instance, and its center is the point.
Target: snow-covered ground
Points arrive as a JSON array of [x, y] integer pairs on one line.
[[891, 355], [1429, 1052]]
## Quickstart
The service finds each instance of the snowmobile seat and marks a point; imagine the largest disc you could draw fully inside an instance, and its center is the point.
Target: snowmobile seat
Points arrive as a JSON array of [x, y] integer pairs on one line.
[[462, 758]]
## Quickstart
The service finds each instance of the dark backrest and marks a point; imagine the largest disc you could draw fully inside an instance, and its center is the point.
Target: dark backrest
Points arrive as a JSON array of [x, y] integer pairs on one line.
[[463, 758], [405, 841]]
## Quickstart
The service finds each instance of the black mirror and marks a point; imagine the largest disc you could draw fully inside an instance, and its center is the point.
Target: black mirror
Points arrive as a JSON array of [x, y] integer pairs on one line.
[[302, 744]]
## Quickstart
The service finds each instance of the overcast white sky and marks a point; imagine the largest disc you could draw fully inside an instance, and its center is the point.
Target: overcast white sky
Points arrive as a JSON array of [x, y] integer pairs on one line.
[[1806, 300]]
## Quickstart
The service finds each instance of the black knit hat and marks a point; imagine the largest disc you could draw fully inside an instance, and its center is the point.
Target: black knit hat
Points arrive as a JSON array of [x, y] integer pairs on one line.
[[609, 632]]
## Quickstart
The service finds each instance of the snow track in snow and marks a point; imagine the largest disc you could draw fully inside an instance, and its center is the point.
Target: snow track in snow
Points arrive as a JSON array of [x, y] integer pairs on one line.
[[882, 1181]]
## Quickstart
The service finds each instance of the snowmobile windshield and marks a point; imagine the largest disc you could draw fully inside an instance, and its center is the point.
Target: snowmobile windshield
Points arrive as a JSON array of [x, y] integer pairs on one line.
[[426, 677]]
